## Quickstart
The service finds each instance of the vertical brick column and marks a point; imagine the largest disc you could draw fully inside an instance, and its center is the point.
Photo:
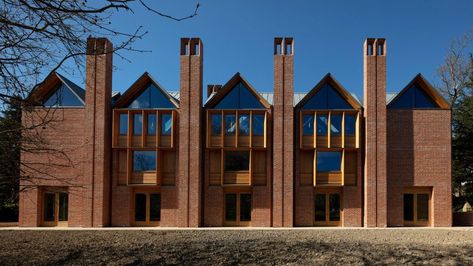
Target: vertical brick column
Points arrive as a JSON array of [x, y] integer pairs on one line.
[[375, 181], [190, 133], [283, 132], [97, 149]]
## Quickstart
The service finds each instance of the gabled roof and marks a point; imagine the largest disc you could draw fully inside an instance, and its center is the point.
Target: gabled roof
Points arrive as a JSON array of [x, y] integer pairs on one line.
[[426, 87], [51, 82], [215, 98], [138, 87], [328, 78]]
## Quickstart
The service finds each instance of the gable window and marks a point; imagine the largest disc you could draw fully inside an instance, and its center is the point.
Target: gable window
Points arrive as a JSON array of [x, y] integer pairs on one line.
[[327, 97], [151, 97], [244, 124], [166, 124], [239, 97], [350, 125], [328, 161], [336, 124], [308, 125], [322, 124], [414, 97], [216, 124], [63, 97], [230, 124], [237, 161], [144, 161], [123, 124], [151, 124], [137, 124], [258, 124]]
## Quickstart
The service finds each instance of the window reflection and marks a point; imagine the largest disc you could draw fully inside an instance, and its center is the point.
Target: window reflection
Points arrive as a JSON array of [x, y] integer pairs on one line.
[[230, 124], [308, 125], [137, 124], [166, 124], [123, 124], [244, 124], [350, 125], [322, 124], [336, 124], [151, 124], [328, 161], [144, 161]]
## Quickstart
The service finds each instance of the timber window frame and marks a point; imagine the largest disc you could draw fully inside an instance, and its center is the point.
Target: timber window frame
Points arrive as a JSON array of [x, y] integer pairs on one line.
[[242, 217], [59, 208], [419, 195], [148, 219], [328, 194]]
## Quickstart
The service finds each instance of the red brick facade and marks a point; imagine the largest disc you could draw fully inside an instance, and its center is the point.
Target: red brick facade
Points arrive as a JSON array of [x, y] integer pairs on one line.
[[397, 151]]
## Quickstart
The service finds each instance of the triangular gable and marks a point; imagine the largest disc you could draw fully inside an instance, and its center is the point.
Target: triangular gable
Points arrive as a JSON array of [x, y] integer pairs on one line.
[[146, 93], [419, 94], [237, 94], [328, 94], [57, 91]]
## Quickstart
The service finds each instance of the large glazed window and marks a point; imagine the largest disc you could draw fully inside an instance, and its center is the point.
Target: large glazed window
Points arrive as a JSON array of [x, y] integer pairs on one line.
[[230, 124], [166, 124], [63, 97], [327, 98], [329, 161], [239, 97], [144, 161], [322, 124], [308, 125], [151, 124], [237, 160], [216, 124], [350, 125], [151, 97], [336, 124], [137, 124], [258, 124], [244, 124], [414, 97]]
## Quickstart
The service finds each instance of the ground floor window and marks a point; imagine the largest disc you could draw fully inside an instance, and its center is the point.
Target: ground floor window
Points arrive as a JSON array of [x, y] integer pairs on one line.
[[147, 208], [55, 208], [238, 208], [416, 207], [327, 207]]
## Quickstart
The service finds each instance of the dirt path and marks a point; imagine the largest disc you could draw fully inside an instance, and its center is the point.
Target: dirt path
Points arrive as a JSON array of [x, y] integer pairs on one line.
[[392, 246]]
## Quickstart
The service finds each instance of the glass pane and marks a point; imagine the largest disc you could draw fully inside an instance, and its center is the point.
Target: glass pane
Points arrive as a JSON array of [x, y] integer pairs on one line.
[[422, 100], [151, 124], [144, 161], [237, 161], [216, 124], [308, 125], [239, 97], [245, 207], [334, 201], [328, 161], [319, 207], [408, 207], [335, 124], [151, 97], [422, 207], [63, 206], [258, 124], [350, 125], [327, 98], [230, 207], [322, 125], [49, 202], [63, 96], [166, 124], [230, 125], [155, 207], [123, 124], [140, 207], [244, 124], [137, 124]]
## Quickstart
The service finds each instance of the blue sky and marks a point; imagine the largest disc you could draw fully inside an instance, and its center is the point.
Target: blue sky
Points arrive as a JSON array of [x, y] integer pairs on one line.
[[238, 37]]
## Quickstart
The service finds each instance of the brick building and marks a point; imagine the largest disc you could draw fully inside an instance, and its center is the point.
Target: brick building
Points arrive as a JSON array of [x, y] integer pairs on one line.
[[153, 157]]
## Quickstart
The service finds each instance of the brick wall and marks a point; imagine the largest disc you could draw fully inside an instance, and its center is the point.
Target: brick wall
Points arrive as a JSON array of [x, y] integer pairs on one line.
[[419, 154]]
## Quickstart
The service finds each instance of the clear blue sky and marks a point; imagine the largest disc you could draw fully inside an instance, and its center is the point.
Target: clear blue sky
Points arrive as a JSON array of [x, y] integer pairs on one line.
[[238, 37]]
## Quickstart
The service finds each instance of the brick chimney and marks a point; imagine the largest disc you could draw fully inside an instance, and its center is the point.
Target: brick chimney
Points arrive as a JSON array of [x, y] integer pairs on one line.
[[283, 132], [375, 179], [97, 150], [190, 133]]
